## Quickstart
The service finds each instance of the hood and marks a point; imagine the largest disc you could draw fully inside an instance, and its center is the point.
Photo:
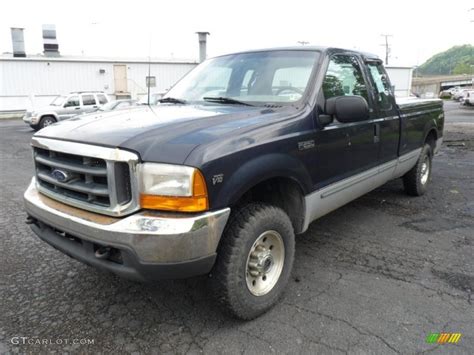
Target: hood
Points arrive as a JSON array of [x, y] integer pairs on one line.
[[164, 133], [47, 108]]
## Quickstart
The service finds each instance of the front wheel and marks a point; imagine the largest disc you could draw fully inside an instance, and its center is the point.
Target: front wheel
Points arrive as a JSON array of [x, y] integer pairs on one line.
[[416, 180], [46, 121], [254, 260]]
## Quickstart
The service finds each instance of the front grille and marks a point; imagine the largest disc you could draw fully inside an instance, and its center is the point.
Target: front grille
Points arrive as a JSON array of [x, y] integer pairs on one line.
[[92, 183]]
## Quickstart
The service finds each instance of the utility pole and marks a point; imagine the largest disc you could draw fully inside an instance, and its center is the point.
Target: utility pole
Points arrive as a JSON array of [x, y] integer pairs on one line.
[[303, 43], [387, 47]]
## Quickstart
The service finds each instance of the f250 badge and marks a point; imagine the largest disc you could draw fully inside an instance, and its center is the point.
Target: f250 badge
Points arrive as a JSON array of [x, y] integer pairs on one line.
[[304, 145], [217, 179]]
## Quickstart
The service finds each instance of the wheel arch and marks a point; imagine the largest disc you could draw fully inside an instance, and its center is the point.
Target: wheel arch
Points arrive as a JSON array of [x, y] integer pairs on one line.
[[277, 179]]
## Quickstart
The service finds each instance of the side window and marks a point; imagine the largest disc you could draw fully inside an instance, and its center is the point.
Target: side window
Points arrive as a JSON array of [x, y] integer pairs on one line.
[[102, 99], [382, 86], [344, 78], [72, 101], [88, 100]]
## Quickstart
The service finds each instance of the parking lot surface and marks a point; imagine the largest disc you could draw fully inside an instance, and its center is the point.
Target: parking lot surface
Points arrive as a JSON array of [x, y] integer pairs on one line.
[[376, 276]]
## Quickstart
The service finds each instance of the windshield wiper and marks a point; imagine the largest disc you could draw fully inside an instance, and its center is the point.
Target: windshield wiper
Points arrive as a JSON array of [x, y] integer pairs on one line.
[[225, 100], [172, 100]]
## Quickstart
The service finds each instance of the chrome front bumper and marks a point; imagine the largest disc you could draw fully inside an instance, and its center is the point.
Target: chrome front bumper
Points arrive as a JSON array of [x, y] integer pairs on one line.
[[148, 238]]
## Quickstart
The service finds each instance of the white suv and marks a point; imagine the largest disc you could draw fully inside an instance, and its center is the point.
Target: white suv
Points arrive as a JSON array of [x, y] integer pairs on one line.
[[64, 107]]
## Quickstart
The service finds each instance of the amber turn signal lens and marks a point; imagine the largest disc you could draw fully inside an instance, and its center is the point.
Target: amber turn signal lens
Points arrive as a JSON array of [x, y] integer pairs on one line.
[[198, 202]]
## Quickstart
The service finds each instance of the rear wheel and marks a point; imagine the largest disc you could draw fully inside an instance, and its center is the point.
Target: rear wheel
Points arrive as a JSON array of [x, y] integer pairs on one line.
[[416, 180], [254, 260], [46, 121]]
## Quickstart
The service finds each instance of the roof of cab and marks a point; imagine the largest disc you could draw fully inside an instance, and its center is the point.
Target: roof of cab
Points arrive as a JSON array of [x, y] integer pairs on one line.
[[308, 48]]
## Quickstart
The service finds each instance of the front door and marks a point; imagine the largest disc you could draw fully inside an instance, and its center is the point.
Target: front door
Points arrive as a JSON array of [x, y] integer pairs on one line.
[[71, 107], [344, 149]]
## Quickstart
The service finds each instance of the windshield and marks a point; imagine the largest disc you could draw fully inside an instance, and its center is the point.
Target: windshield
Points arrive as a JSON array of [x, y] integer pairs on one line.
[[58, 101], [257, 77]]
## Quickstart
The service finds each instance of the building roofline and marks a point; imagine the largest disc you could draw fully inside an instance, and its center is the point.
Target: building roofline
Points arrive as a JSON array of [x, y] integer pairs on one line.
[[80, 59]]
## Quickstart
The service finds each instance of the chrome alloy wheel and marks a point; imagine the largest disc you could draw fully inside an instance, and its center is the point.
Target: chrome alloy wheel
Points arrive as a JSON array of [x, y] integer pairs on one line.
[[47, 122], [265, 263], [425, 170]]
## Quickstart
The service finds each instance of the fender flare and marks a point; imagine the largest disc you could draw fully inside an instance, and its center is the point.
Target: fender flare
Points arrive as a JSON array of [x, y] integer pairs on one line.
[[429, 127], [48, 113], [255, 171]]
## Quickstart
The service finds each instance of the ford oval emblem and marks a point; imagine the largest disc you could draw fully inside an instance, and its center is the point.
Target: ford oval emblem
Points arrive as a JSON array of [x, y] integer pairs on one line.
[[60, 175]]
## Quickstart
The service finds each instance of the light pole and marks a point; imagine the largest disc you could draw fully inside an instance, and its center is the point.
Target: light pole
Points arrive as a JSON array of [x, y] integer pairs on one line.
[[387, 47], [303, 43]]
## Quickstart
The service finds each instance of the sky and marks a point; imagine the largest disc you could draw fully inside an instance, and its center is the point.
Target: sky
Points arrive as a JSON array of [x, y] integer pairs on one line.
[[166, 29]]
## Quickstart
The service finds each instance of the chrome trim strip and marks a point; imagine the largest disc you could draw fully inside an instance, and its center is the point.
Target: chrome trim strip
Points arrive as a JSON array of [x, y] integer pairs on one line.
[[155, 237], [417, 113], [331, 197], [351, 124], [110, 155]]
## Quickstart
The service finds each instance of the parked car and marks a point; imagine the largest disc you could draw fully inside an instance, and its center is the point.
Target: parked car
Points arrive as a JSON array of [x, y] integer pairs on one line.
[[242, 154], [453, 90], [468, 98], [65, 106], [118, 105], [457, 96]]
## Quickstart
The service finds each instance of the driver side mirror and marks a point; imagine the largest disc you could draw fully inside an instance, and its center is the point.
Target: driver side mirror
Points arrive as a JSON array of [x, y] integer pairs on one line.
[[347, 108]]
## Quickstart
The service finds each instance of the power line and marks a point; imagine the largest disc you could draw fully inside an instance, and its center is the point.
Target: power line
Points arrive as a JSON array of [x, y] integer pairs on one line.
[[387, 47]]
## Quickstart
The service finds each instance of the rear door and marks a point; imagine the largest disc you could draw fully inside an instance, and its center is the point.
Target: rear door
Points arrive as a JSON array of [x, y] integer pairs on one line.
[[88, 103], [387, 126]]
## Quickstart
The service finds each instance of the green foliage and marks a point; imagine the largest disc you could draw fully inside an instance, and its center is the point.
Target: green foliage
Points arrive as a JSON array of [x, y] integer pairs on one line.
[[462, 68], [456, 60]]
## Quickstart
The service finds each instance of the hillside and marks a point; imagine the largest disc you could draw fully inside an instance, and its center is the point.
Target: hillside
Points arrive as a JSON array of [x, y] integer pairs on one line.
[[456, 60]]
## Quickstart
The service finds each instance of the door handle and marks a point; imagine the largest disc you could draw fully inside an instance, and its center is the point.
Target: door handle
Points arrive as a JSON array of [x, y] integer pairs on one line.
[[77, 108], [376, 132]]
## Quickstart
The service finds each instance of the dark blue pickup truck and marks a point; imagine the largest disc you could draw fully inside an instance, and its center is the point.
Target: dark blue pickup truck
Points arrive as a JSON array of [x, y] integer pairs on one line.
[[240, 156]]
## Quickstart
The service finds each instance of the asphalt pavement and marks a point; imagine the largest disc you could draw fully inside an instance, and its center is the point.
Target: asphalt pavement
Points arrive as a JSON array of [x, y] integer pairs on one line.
[[374, 277]]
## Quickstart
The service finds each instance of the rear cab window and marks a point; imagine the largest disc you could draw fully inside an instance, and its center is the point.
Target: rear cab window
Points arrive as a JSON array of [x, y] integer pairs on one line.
[[381, 85]]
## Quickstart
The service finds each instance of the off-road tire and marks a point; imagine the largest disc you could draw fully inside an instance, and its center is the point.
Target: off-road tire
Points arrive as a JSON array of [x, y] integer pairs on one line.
[[228, 276], [413, 180]]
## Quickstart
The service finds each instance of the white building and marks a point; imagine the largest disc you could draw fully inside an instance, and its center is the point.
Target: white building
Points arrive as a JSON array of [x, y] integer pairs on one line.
[[401, 79], [33, 81]]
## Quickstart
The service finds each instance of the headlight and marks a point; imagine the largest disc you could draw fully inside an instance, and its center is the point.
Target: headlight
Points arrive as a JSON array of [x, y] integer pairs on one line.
[[172, 188]]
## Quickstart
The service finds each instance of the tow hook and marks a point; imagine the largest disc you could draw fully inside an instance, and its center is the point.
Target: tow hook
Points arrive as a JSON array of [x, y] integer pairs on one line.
[[31, 220], [102, 253]]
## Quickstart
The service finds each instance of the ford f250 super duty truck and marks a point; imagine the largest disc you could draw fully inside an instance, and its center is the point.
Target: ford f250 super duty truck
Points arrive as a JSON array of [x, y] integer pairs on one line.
[[240, 155]]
